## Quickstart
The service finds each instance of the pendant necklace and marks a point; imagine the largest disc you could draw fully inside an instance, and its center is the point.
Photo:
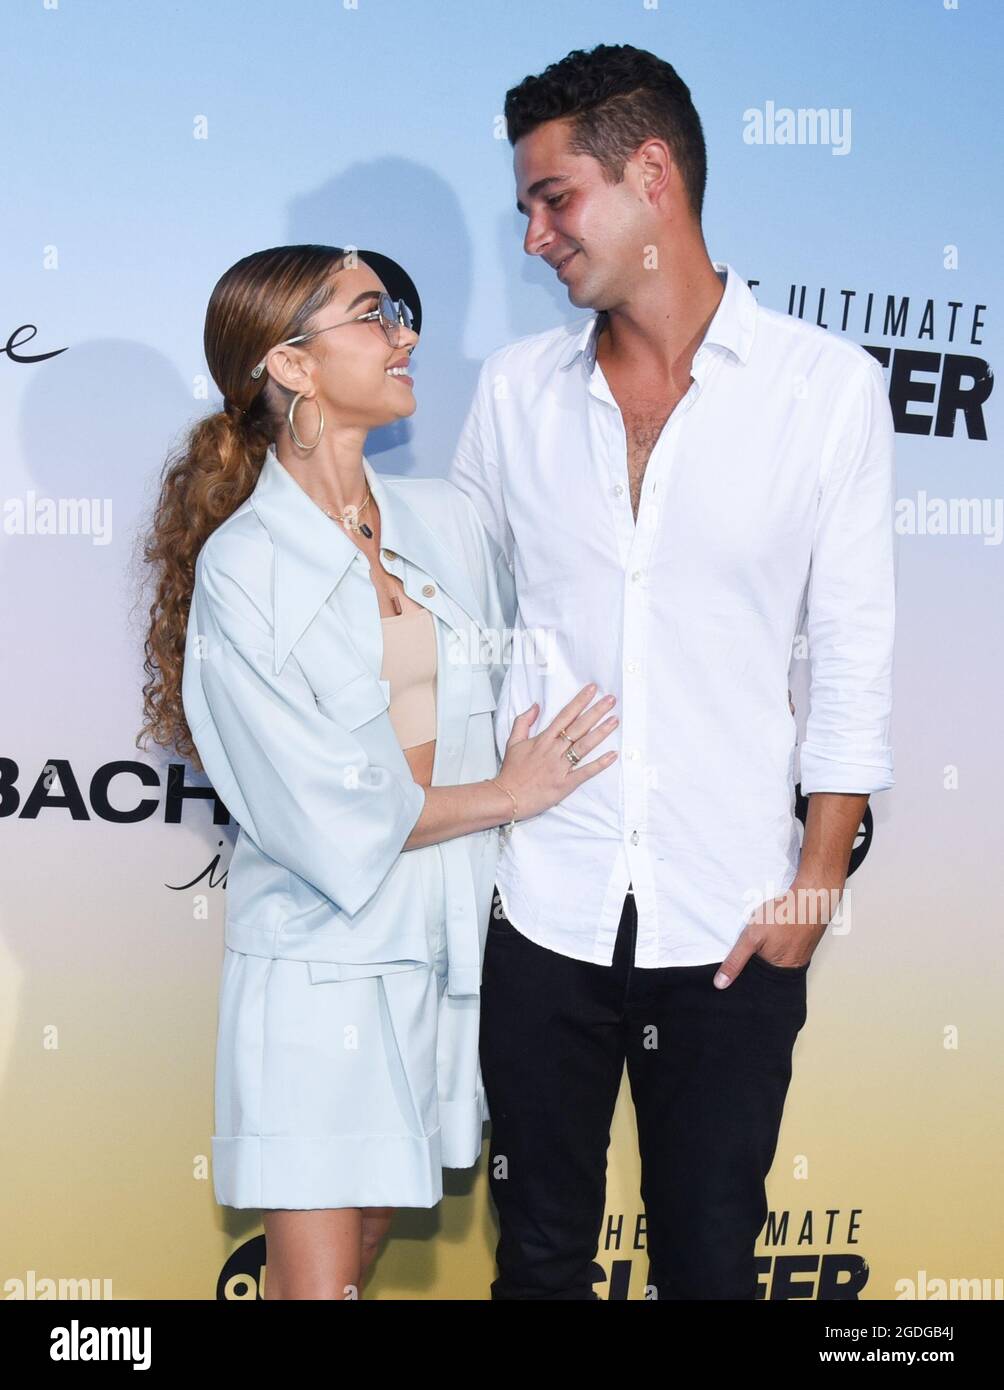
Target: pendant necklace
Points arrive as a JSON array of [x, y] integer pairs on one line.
[[352, 521]]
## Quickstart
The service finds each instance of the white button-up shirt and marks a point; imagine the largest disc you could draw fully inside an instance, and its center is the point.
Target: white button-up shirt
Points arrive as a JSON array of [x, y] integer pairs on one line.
[[769, 495]]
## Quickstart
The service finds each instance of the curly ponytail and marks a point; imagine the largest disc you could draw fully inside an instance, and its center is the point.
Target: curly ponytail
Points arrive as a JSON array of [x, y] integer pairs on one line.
[[263, 299]]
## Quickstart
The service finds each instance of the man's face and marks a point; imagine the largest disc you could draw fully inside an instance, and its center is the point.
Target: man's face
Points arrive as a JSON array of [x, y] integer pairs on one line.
[[589, 231]]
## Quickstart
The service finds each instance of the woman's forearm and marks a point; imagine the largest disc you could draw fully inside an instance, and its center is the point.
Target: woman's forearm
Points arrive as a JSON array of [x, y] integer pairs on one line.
[[458, 810]]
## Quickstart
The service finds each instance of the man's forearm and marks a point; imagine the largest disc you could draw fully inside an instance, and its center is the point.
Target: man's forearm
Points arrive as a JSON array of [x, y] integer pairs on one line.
[[831, 827]]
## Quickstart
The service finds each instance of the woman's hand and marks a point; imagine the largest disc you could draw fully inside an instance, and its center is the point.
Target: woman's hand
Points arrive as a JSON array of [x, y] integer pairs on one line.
[[535, 768]]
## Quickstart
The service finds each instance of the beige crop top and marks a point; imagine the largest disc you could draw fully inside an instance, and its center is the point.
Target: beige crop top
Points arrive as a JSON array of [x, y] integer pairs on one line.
[[409, 663]]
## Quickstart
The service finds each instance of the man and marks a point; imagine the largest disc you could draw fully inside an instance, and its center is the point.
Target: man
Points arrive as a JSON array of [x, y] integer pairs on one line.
[[674, 480]]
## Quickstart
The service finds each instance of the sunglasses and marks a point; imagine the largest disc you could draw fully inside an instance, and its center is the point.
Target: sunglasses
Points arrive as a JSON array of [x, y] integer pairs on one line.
[[393, 315]]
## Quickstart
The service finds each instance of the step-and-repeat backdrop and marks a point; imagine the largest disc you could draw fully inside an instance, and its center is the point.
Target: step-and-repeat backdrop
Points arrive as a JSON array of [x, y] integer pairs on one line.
[[854, 179]]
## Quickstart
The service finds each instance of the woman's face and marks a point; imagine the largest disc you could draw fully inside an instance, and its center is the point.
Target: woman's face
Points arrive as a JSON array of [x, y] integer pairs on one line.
[[349, 367]]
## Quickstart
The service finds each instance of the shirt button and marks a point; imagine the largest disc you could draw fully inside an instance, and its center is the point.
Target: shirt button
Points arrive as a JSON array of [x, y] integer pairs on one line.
[[428, 590], [632, 666], [636, 576], [634, 755], [619, 488], [635, 837]]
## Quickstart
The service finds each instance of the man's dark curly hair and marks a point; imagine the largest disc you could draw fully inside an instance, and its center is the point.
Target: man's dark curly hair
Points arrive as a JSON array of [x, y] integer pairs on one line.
[[619, 97]]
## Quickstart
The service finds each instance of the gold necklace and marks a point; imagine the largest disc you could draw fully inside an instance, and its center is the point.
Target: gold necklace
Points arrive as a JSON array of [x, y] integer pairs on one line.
[[352, 521]]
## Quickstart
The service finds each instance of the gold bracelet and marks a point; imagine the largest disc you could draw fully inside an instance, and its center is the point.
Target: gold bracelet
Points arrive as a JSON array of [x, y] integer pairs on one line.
[[508, 828]]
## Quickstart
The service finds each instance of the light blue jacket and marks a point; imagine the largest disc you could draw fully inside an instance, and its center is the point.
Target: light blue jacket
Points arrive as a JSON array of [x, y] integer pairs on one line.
[[283, 696]]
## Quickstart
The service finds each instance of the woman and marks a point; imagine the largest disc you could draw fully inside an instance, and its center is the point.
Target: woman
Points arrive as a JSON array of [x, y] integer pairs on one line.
[[327, 641]]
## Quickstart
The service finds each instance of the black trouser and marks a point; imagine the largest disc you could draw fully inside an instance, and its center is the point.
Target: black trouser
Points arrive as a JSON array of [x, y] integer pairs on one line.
[[709, 1070]]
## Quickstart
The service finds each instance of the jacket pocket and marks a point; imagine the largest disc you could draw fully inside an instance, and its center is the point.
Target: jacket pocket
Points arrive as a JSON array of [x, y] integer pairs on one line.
[[331, 972], [362, 699]]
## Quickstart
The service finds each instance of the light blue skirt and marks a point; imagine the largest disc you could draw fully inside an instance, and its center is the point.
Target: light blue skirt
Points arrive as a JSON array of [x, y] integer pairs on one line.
[[345, 1092]]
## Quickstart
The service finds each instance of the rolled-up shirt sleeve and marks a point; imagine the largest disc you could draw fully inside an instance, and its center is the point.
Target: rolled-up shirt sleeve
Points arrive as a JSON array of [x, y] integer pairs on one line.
[[851, 600], [300, 785]]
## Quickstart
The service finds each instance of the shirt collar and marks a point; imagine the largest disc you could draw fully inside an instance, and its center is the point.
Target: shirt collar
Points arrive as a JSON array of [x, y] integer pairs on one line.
[[732, 327], [311, 552]]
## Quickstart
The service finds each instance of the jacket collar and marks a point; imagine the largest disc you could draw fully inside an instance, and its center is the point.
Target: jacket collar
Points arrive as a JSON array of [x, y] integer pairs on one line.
[[731, 327], [312, 553]]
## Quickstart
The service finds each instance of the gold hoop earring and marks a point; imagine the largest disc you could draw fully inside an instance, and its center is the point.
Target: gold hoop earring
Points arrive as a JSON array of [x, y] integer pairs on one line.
[[292, 428]]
